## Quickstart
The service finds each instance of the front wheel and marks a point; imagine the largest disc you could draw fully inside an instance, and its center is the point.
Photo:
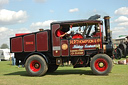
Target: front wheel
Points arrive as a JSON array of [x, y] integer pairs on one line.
[[101, 64], [36, 65]]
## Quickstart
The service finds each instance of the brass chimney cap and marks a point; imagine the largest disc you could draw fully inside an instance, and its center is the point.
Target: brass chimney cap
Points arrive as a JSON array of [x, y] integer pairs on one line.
[[107, 17]]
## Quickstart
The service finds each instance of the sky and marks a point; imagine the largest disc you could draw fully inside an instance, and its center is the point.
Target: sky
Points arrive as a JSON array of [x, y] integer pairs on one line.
[[26, 16]]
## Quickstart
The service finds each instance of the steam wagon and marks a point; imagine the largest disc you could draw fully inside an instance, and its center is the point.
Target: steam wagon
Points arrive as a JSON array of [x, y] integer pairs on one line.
[[85, 46]]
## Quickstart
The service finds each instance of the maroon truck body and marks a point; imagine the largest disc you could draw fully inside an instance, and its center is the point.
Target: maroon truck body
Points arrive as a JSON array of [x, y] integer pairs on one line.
[[43, 51], [31, 42]]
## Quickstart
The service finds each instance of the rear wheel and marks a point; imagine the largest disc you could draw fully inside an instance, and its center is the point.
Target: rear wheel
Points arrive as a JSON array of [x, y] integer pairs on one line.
[[101, 64], [36, 65]]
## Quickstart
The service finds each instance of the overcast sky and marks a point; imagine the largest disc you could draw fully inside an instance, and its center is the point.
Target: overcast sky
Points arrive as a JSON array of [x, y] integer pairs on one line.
[[24, 16]]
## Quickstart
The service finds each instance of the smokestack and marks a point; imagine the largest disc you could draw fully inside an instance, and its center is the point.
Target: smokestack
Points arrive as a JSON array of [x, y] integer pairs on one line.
[[107, 28]]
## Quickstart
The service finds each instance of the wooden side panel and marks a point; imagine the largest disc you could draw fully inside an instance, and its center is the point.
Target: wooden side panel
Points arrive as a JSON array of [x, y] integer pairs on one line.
[[55, 41], [42, 41], [16, 44], [29, 43], [64, 48]]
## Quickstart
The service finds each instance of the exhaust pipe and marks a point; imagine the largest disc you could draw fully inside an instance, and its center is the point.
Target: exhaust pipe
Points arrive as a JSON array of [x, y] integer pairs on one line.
[[108, 41], [107, 28]]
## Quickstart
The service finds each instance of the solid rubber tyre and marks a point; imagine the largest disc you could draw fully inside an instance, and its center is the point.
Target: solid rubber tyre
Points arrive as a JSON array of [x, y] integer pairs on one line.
[[101, 64], [118, 53], [36, 65], [123, 47]]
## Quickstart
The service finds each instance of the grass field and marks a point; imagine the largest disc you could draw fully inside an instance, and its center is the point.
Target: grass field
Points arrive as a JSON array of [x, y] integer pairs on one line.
[[12, 75]]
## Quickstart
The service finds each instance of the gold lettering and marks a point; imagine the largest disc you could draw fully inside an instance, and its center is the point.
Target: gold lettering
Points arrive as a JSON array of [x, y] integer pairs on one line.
[[85, 41], [78, 53], [95, 41], [71, 41], [92, 41], [98, 40], [29, 43], [77, 41], [89, 41], [81, 41]]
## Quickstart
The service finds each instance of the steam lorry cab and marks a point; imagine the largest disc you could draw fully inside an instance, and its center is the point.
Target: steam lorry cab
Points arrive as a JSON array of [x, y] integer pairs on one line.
[[44, 51]]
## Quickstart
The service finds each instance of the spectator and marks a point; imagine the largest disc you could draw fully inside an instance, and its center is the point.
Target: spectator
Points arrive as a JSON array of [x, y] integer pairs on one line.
[[13, 59]]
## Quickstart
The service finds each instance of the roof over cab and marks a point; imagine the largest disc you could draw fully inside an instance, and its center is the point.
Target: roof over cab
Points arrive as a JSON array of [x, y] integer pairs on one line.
[[75, 23]]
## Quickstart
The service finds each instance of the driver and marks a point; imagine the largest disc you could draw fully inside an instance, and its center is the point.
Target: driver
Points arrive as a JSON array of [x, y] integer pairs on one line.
[[61, 33]]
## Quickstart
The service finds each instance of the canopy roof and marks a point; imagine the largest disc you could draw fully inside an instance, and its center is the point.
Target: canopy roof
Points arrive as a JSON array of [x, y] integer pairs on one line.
[[78, 22]]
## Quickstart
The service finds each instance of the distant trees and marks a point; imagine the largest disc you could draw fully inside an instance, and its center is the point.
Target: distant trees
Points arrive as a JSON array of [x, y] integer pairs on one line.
[[4, 46]]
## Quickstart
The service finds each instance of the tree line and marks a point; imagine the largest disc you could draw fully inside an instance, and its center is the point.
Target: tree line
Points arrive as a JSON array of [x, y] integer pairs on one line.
[[4, 46]]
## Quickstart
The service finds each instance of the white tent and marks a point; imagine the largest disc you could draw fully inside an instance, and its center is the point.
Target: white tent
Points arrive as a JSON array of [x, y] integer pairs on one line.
[[5, 54]]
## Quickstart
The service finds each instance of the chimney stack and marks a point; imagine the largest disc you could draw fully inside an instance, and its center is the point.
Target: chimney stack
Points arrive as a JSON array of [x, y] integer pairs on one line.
[[107, 28]]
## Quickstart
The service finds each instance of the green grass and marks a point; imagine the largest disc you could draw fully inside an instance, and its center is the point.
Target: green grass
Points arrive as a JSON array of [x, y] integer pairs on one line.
[[12, 75]]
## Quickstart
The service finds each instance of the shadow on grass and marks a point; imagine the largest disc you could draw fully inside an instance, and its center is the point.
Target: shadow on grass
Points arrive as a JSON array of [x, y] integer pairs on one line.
[[67, 72], [21, 73], [58, 72]]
